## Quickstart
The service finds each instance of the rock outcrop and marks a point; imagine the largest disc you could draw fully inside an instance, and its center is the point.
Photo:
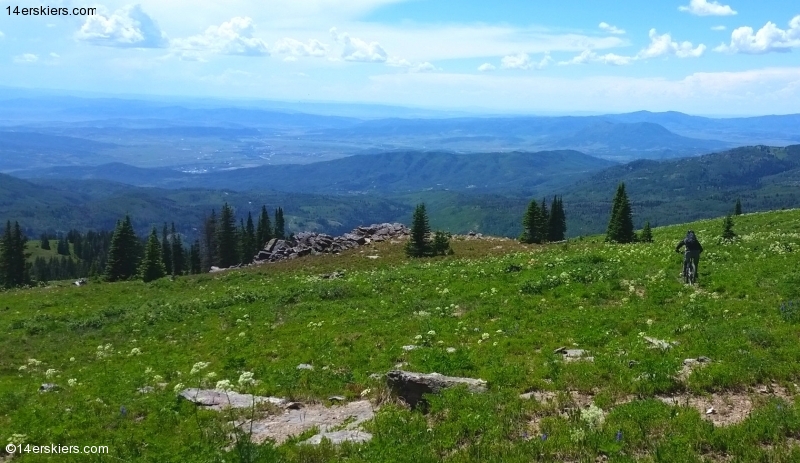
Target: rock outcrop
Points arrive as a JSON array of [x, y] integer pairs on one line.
[[411, 386], [310, 243]]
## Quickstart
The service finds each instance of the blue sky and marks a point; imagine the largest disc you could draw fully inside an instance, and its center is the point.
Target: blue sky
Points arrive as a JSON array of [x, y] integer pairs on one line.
[[696, 56]]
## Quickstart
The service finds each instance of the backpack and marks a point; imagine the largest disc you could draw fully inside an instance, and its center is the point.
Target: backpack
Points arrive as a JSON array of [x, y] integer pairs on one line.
[[691, 242]]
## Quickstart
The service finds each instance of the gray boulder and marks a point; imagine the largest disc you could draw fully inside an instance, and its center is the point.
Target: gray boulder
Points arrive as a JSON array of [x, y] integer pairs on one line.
[[411, 386]]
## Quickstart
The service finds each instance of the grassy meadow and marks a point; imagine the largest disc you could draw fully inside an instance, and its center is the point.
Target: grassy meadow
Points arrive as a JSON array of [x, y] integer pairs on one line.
[[496, 310]]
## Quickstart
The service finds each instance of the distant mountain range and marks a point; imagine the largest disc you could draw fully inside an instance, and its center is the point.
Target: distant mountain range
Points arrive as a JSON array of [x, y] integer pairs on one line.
[[662, 192]]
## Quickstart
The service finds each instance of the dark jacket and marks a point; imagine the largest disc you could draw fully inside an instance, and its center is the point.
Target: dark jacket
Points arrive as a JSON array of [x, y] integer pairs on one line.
[[691, 245]]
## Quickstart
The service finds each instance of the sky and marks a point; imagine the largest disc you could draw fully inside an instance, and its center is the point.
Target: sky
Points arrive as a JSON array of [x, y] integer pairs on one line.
[[518, 56]]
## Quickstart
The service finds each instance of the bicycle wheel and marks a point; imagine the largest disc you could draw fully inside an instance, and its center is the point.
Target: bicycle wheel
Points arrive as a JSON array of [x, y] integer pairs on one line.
[[692, 273]]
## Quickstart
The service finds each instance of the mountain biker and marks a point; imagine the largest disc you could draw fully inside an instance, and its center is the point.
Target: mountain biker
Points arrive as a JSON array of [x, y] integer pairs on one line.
[[693, 250]]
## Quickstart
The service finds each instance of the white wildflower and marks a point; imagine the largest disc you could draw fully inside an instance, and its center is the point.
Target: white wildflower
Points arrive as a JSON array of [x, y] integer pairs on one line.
[[241, 335], [34, 362], [148, 370], [72, 382], [418, 337], [178, 388], [17, 439], [210, 376], [365, 392], [246, 378], [431, 333], [223, 385], [485, 336], [450, 350], [577, 435], [72, 359], [593, 416], [158, 379], [135, 351], [50, 373], [199, 366]]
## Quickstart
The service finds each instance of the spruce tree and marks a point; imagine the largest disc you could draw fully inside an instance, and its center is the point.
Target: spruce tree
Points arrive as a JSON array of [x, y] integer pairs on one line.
[[195, 264], [123, 252], [419, 243], [545, 221], [227, 238], [557, 224], [264, 229], [6, 257], [441, 244], [45, 242], [727, 228], [152, 267], [210, 249], [176, 248], [737, 210], [620, 225], [249, 243], [533, 225], [166, 250], [14, 269], [280, 225], [647, 233], [62, 247]]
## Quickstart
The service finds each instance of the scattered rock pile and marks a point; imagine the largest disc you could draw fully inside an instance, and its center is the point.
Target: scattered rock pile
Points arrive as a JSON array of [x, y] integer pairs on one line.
[[306, 243]]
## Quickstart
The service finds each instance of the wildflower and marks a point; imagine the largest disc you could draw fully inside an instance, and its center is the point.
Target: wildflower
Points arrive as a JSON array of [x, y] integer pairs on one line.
[[499, 331], [649, 322], [72, 359], [450, 350], [577, 435], [223, 385], [72, 382], [178, 387], [158, 379], [198, 366], [246, 378], [485, 336], [593, 415], [148, 370], [50, 373], [23, 368], [619, 435], [494, 343], [211, 375], [135, 351], [17, 439], [431, 333], [242, 334], [418, 337], [365, 392], [34, 362]]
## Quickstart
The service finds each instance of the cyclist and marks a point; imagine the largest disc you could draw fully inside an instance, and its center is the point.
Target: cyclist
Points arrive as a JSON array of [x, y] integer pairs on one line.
[[693, 250]]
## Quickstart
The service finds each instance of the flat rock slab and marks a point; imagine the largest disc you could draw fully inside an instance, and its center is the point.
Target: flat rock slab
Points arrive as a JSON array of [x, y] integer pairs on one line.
[[411, 386], [338, 437], [294, 422], [219, 400]]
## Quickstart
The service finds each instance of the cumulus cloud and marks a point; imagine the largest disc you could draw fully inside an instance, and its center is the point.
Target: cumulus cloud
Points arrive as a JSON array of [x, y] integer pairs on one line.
[[423, 67], [359, 50], [522, 61], [412, 67], [486, 67], [611, 29], [589, 56], [663, 45], [129, 27], [718, 28], [768, 39], [234, 37], [706, 8], [296, 48], [26, 58]]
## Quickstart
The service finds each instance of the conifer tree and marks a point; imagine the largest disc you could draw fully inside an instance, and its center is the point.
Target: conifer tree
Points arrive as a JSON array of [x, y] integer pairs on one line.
[[419, 243], [545, 221], [152, 267], [727, 228], [620, 225], [14, 269], [123, 253], [737, 210], [556, 225], [647, 233], [195, 265], [280, 225], [45, 242], [249, 246], [533, 224], [62, 247], [176, 248], [441, 244], [166, 250], [264, 229], [210, 245], [227, 237]]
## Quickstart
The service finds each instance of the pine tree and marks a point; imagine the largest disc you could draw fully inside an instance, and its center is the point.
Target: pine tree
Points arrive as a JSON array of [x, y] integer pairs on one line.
[[533, 224], [45, 242], [210, 250], [419, 243], [176, 248], [227, 237], [14, 269], [727, 228], [249, 246], [620, 226], [264, 230], [195, 265], [557, 224], [6, 257], [152, 267], [738, 208], [280, 226], [647, 233], [545, 221], [62, 247], [123, 252], [166, 250], [441, 244]]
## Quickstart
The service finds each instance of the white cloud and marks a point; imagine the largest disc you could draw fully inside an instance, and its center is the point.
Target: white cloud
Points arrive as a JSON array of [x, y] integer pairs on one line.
[[297, 48], [412, 67], [718, 28], [26, 58], [55, 55], [423, 67], [589, 56], [234, 37], [2, 35], [486, 67], [129, 27], [768, 39], [662, 45], [522, 61], [359, 50], [706, 8], [611, 29]]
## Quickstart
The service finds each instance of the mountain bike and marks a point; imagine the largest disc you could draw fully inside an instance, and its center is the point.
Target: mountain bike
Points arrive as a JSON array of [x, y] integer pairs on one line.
[[689, 270]]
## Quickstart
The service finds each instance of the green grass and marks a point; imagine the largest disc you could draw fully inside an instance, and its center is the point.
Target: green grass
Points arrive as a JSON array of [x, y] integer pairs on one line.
[[504, 325], [34, 247]]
